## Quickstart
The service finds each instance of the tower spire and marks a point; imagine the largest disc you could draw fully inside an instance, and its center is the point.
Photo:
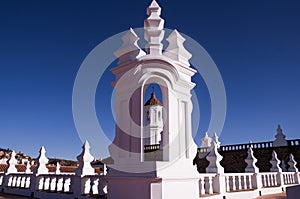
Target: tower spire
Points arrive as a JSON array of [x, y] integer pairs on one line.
[[154, 32]]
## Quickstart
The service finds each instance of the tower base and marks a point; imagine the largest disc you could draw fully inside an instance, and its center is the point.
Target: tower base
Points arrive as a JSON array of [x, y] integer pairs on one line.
[[152, 188]]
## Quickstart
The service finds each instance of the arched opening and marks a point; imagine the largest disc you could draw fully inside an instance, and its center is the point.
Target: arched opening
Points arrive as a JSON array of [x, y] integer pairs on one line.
[[153, 122]]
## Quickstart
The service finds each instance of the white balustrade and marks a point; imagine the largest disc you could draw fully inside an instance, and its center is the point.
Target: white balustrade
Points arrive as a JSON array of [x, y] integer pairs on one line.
[[18, 180], [55, 183], [206, 184], [93, 185], [269, 179], [288, 178], [238, 181]]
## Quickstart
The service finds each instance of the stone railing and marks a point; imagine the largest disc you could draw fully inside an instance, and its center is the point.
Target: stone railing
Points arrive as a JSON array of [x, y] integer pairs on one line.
[[21, 180], [54, 183], [206, 183], [85, 183], [251, 184], [289, 178], [93, 185], [269, 179], [151, 148], [238, 182], [204, 150], [295, 142], [228, 184], [258, 145], [40, 183]]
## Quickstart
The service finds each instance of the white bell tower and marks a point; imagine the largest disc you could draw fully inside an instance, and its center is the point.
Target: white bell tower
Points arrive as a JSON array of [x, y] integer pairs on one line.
[[173, 175], [153, 120]]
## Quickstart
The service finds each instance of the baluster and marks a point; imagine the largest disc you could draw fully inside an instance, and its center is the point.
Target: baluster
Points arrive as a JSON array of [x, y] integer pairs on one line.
[[250, 182], [293, 179], [67, 184], [53, 184], [41, 183], [239, 183], [288, 179], [87, 185], [271, 180], [14, 181], [95, 186], [233, 183], [267, 180], [27, 184], [202, 182], [227, 183], [23, 179], [59, 186], [263, 180], [275, 180], [245, 182], [284, 179], [9, 184], [210, 185], [18, 184], [47, 183]]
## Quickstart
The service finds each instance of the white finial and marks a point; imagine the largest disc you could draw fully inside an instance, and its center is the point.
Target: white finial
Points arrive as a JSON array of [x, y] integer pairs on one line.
[[280, 138], [283, 166], [154, 7], [215, 139], [176, 49], [42, 160], [57, 169], [206, 141], [86, 145], [279, 129], [251, 160], [275, 163], [85, 159], [12, 161], [28, 166], [130, 49], [292, 163], [154, 32], [214, 159]]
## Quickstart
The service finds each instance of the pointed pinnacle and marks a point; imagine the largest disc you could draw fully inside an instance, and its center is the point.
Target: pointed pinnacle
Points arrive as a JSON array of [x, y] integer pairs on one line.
[[153, 7], [13, 154], [86, 145], [42, 150]]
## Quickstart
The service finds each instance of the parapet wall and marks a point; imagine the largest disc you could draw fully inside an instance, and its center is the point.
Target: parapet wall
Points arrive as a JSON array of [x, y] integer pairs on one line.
[[234, 156]]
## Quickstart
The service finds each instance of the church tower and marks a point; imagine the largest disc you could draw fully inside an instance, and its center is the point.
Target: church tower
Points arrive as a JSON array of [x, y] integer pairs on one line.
[[153, 111], [140, 124]]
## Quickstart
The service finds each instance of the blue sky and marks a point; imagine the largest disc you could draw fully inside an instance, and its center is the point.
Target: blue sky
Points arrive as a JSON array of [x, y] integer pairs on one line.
[[255, 45]]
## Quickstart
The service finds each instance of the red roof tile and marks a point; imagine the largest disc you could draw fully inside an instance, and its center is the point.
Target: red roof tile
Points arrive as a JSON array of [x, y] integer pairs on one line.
[[153, 100]]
